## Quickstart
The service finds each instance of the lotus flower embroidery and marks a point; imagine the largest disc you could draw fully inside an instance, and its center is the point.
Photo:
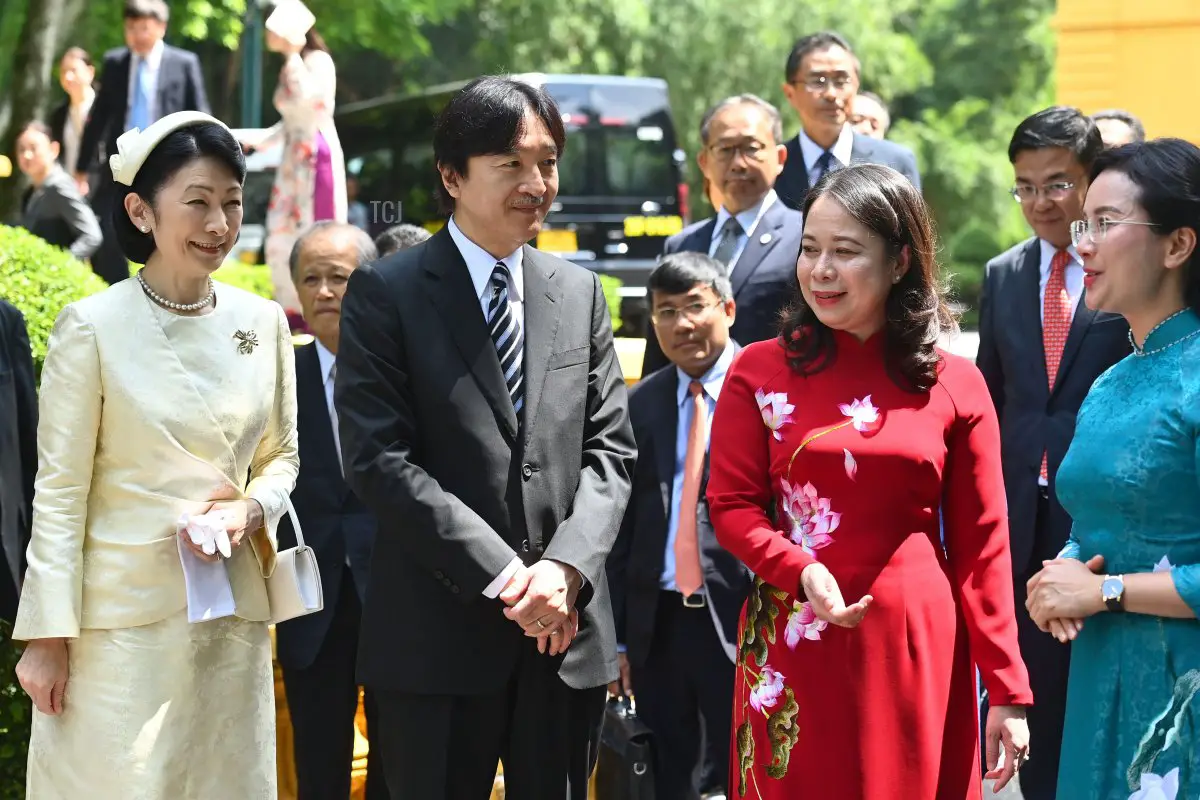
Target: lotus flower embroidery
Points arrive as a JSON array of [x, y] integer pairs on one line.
[[863, 415], [1154, 787], [776, 411], [767, 690], [802, 623], [812, 518]]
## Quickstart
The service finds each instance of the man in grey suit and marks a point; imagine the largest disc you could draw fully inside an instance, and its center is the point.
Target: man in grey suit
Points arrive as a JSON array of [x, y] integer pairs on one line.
[[820, 80], [484, 420], [18, 453], [754, 235], [1040, 350]]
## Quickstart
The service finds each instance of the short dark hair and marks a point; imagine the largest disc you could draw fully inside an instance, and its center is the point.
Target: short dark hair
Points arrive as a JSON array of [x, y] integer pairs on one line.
[[147, 9], [399, 237], [811, 43], [367, 252], [884, 201], [678, 273], [1058, 126], [487, 117], [1167, 175], [38, 126], [1120, 115], [178, 149]]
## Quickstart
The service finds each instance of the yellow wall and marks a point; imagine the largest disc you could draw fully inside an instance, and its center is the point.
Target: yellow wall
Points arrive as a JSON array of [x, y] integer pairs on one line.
[[1140, 55]]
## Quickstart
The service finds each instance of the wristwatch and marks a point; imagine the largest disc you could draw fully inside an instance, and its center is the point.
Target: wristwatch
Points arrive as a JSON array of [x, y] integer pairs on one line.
[[1113, 592]]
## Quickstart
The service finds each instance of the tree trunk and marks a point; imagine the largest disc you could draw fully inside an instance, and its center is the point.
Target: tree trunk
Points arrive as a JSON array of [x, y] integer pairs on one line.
[[31, 69]]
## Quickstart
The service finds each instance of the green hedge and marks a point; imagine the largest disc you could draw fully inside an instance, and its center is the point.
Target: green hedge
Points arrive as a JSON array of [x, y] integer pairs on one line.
[[254, 278], [15, 715]]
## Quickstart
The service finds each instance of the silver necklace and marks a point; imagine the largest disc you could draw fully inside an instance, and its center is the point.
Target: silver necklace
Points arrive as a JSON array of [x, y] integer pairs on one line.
[[165, 303], [1137, 351]]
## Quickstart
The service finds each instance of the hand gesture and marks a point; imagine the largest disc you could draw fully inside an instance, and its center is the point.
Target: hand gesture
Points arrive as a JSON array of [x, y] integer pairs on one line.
[[1006, 727], [42, 673], [541, 600], [1063, 593], [240, 516], [823, 593]]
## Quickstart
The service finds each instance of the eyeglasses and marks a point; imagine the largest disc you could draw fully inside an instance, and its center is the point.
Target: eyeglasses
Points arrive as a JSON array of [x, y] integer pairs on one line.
[[819, 82], [1023, 193], [1097, 231], [753, 151], [693, 312]]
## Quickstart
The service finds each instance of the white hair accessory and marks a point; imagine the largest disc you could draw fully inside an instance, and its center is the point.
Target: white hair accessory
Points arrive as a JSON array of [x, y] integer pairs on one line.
[[291, 20], [134, 145]]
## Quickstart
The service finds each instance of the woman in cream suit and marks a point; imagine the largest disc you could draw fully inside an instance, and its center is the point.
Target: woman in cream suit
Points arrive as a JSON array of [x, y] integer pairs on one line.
[[310, 184], [164, 395]]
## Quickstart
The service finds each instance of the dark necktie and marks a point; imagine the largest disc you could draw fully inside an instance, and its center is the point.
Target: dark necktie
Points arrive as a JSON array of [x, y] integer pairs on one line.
[[730, 232], [506, 335], [826, 163]]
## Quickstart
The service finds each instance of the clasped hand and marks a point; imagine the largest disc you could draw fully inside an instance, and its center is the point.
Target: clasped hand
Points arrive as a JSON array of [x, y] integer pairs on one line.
[[1063, 594], [241, 517], [541, 599]]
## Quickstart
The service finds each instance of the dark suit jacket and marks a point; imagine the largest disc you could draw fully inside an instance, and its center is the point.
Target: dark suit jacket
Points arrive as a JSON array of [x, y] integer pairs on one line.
[[792, 184], [57, 213], [636, 564], [18, 451], [764, 276], [180, 88], [335, 522], [1034, 419], [460, 486]]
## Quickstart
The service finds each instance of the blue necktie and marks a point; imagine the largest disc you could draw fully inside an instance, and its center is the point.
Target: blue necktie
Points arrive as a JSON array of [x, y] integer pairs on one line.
[[826, 163], [139, 113]]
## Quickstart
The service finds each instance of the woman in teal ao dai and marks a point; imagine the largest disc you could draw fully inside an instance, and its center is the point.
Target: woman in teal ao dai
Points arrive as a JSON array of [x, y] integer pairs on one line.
[[1126, 589]]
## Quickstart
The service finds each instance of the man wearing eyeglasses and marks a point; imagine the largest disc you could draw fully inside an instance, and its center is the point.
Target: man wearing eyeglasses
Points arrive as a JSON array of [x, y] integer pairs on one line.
[[821, 79], [676, 593], [1040, 350], [753, 235]]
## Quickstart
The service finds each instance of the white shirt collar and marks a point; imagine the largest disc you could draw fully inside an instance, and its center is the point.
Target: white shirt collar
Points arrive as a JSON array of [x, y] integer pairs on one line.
[[843, 148], [85, 105], [748, 218], [326, 359], [712, 381], [480, 263], [1048, 251], [153, 58]]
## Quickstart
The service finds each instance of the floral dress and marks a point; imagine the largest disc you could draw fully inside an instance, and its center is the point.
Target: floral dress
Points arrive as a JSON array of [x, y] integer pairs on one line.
[[847, 468]]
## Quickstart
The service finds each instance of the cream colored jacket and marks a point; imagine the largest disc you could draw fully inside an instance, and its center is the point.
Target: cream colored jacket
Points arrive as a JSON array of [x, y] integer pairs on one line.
[[127, 444]]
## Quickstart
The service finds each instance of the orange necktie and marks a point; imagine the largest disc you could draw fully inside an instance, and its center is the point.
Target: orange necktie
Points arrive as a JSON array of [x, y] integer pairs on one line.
[[688, 575], [1056, 320]]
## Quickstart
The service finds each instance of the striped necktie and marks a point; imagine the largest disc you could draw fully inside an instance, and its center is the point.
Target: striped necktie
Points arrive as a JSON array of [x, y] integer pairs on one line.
[[506, 334]]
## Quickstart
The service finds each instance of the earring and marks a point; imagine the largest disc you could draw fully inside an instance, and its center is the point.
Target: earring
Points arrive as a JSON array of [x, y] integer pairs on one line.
[[895, 279], [145, 229]]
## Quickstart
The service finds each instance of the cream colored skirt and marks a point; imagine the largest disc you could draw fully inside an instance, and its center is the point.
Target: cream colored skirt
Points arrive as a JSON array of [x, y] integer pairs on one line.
[[167, 711]]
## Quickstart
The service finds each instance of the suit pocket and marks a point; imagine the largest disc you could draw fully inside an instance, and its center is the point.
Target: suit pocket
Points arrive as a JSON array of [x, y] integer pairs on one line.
[[568, 358]]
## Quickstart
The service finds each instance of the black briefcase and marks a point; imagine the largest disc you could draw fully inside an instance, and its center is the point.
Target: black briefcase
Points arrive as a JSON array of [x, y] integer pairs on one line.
[[625, 763]]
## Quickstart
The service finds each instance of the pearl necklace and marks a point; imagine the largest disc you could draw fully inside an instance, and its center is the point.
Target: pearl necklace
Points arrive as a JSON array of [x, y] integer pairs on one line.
[[1137, 351], [165, 303]]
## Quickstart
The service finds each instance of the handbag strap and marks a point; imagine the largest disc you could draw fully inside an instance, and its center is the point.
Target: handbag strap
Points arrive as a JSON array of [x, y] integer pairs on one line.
[[291, 510]]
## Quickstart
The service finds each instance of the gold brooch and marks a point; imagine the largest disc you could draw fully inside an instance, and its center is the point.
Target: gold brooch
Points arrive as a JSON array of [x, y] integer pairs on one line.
[[247, 341]]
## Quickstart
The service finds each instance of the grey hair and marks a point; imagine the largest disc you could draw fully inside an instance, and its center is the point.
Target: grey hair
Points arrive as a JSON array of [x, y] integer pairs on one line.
[[367, 251], [1121, 115], [743, 99]]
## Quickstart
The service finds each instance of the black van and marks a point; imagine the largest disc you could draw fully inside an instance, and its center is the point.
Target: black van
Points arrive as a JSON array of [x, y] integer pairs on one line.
[[622, 189]]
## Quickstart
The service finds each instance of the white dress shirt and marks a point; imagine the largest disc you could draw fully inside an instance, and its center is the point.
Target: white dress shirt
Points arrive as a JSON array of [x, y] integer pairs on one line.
[[843, 151], [748, 219], [72, 134], [153, 62], [480, 264]]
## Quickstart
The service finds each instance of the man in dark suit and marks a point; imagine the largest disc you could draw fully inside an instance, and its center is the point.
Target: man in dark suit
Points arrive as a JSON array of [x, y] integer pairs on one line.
[[820, 80], [484, 420], [18, 453], [318, 652], [753, 234], [142, 82], [676, 592], [1040, 350]]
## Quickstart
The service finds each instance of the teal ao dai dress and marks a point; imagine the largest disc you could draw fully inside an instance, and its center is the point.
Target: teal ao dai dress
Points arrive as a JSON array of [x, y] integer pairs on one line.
[[1131, 482]]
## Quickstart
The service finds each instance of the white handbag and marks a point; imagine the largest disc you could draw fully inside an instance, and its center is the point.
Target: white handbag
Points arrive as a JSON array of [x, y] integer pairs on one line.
[[294, 588]]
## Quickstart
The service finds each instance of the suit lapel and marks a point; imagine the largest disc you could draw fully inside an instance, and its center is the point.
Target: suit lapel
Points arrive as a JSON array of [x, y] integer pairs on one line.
[[663, 439], [701, 239], [164, 81], [454, 296], [1029, 307], [760, 243], [311, 389], [1080, 324], [862, 150], [542, 295]]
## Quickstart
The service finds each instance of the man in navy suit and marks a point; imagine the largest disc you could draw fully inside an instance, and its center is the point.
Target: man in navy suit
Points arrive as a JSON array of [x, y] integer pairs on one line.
[[318, 652], [820, 81], [676, 592], [142, 82], [755, 236], [18, 453]]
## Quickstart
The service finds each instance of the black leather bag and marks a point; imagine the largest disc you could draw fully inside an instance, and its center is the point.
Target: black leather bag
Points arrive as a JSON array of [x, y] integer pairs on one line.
[[625, 763]]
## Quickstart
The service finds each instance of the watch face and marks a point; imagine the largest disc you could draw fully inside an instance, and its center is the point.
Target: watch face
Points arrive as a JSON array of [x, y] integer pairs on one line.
[[1112, 588]]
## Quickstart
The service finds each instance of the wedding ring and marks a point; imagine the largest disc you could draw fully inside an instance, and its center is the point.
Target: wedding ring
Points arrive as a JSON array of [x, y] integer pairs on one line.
[[540, 624]]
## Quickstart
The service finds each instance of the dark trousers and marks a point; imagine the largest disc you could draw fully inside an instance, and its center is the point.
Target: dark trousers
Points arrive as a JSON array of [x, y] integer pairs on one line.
[[1048, 662], [323, 700], [446, 747], [686, 679], [108, 261]]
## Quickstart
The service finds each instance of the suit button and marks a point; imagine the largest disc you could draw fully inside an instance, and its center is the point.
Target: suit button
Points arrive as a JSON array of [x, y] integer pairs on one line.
[[455, 589], [525, 546], [527, 471], [446, 581], [438, 574]]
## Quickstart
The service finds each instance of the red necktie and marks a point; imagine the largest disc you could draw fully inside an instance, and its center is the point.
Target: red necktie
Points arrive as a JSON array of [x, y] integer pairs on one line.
[[688, 576], [1056, 320]]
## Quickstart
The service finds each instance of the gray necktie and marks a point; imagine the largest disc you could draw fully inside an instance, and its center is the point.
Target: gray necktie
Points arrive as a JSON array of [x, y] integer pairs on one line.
[[728, 243], [333, 418]]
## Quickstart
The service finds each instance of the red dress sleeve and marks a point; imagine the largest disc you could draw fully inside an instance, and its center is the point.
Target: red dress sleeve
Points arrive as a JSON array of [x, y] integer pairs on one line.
[[975, 515], [740, 483]]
